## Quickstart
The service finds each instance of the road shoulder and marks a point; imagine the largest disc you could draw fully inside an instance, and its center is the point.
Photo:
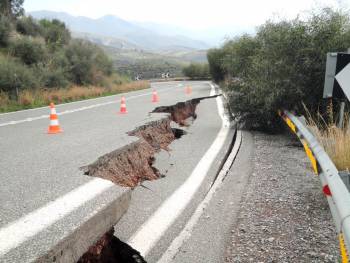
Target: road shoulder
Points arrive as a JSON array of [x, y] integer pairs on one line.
[[210, 236], [283, 215]]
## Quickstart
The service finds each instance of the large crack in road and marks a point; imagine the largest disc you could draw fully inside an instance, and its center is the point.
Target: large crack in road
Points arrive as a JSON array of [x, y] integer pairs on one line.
[[131, 165]]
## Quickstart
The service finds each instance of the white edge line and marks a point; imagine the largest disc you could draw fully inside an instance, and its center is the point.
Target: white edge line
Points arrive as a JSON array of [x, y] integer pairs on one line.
[[30, 119], [17, 232], [153, 229], [67, 103], [80, 101], [185, 234], [24, 228]]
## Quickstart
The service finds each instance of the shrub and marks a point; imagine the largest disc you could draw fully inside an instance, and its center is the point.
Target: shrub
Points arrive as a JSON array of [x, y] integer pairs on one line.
[[14, 75], [102, 62], [29, 50], [87, 63], [54, 79], [215, 59], [281, 67], [80, 58], [55, 33], [197, 71], [5, 29], [28, 26]]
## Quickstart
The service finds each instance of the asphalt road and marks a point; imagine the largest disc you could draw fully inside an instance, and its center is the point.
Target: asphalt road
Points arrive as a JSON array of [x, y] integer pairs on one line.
[[37, 169]]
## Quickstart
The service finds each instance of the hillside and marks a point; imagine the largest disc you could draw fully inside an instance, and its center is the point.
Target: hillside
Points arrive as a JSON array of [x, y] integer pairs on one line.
[[147, 64], [134, 61], [112, 26]]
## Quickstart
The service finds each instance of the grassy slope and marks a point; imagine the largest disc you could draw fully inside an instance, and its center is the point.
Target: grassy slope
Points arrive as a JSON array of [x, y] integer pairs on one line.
[[29, 99]]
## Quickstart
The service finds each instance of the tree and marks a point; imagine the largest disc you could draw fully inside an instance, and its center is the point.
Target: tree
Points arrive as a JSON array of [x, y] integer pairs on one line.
[[11, 8], [281, 67], [55, 33], [5, 29], [28, 26], [87, 63], [29, 50], [215, 58], [196, 71], [15, 76]]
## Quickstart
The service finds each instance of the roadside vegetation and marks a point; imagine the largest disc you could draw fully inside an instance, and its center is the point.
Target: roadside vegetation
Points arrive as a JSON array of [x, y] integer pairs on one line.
[[334, 138], [40, 63], [197, 71], [145, 64], [281, 67]]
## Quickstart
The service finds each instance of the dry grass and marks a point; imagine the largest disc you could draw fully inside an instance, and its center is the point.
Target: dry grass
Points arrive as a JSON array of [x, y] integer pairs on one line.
[[335, 140], [37, 98]]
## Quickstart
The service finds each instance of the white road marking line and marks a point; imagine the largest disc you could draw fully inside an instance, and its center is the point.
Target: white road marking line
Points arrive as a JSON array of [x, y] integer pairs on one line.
[[79, 109], [185, 234], [153, 229], [73, 102], [19, 231]]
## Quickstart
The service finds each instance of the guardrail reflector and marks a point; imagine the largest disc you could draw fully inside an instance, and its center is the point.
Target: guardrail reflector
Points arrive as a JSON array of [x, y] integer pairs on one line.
[[326, 190], [343, 252], [290, 124], [311, 156]]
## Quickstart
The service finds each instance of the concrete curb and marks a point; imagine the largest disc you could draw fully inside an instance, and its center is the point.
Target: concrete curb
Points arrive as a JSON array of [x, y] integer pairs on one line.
[[75, 244]]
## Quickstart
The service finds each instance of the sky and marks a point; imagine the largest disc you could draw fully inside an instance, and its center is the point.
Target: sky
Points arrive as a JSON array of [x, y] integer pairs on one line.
[[212, 21], [190, 14]]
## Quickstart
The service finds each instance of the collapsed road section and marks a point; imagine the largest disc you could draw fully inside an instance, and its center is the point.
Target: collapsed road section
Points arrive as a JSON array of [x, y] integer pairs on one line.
[[133, 163]]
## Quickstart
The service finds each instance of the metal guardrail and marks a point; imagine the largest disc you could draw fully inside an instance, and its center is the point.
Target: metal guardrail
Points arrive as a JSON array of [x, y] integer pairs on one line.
[[337, 193]]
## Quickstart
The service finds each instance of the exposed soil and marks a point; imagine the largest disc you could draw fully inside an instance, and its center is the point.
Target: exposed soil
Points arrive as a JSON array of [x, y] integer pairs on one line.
[[127, 166], [110, 249], [181, 111], [130, 165], [158, 134]]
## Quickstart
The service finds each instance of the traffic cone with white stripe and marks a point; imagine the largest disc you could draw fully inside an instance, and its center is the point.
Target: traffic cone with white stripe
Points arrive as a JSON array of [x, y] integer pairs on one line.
[[123, 106], [54, 125], [188, 90], [155, 97]]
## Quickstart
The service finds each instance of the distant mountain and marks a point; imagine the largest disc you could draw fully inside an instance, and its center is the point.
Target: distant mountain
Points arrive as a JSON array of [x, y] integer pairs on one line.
[[106, 41], [212, 36], [131, 34]]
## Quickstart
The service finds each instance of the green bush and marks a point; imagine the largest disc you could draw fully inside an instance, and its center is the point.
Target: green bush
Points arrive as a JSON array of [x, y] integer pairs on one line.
[[197, 71], [102, 62], [215, 59], [87, 63], [16, 75], [29, 50], [55, 78], [55, 33], [5, 30], [80, 59], [281, 67], [28, 26]]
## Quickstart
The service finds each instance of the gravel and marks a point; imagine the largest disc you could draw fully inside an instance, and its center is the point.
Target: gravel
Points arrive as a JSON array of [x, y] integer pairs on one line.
[[283, 215]]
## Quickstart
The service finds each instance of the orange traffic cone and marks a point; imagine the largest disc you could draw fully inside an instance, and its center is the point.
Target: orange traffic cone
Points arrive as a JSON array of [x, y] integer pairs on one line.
[[188, 90], [155, 97], [54, 125], [123, 106]]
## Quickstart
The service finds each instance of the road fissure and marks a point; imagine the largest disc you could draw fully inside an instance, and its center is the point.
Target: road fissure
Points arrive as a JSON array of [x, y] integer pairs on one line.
[[132, 164]]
